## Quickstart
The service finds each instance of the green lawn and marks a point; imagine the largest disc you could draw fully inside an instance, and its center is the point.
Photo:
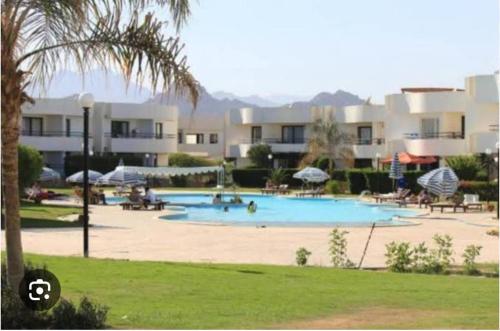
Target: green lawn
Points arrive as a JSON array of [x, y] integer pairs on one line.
[[195, 296], [35, 215]]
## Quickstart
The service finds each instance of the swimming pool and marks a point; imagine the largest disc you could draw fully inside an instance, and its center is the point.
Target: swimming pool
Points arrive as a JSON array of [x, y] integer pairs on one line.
[[281, 211]]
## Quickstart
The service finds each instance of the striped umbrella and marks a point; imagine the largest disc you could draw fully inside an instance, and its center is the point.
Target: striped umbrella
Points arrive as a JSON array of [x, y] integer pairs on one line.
[[48, 175], [395, 172], [442, 181], [121, 177], [78, 177]]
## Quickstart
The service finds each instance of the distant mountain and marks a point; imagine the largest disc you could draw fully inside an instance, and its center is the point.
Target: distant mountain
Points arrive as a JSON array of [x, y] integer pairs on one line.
[[106, 87], [338, 99], [251, 99]]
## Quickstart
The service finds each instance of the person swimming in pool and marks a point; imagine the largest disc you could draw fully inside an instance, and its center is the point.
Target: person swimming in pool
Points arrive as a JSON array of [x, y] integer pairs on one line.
[[252, 207], [226, 209]]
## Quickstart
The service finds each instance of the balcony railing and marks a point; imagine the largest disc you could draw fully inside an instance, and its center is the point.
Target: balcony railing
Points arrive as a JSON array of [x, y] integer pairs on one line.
[[374, 141], [273, 141], [138, 135], [435, 135], [493, 127], [51, 134]]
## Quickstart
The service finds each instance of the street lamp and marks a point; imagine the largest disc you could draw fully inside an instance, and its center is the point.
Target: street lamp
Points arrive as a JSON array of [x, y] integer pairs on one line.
[[377, 156], [86, 101], [270, 158]]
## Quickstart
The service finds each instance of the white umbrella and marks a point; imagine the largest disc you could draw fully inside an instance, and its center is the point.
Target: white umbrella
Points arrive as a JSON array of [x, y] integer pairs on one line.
[[48, 175], [311, 175], [121, 177], [442, 181], [78, 177]]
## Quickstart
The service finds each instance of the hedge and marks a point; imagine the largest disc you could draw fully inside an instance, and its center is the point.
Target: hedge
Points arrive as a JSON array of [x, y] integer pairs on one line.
[[367, 179], [254, 177], [101, 163], [487, 191]]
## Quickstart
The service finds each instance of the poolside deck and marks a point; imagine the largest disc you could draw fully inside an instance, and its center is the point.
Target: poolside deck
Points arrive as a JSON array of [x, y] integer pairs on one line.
[[140, 235]]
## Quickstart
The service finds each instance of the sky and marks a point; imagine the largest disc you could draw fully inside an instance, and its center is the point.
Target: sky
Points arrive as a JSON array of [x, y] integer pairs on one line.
[[370, 48]]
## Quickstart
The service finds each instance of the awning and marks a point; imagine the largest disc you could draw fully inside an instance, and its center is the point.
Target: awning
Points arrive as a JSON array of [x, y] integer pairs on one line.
[[171, 171], [407, 158]]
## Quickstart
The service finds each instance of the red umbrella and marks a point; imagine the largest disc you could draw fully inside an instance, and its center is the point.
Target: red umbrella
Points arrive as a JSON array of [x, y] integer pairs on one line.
[[407, 158]]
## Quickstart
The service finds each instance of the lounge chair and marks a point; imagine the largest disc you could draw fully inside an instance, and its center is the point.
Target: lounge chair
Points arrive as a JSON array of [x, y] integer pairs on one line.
[[472, 201], [269, 190], [283, 189], [452, 205], [399, 195]]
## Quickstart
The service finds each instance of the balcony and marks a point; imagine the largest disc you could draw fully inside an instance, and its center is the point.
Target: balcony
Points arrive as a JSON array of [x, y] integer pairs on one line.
[[140, 142], [368, 148], [54, 141], [435, 143], [240, 149]]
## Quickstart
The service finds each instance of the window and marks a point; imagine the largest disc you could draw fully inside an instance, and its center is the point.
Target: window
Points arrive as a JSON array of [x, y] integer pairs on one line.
[[159, 130], [214, 139], [179, 137], [292, 134], [194, 139], [68, 127], [32, 126], [119, 129], [256, 134], [364, 135], [430, 127]]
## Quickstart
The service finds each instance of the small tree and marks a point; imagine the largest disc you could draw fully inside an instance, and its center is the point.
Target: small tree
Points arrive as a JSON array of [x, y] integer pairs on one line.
[[466, 167], [278, 176], [338, 249], [469, 255], [302, 255], [30, 164], [258, 155]]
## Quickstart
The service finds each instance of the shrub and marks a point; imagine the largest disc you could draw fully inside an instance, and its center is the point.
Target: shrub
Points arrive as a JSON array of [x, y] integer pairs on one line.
[[321, 163], [301, 256], [356, 181], [399, 256], [30, 164], [339, 175], [378, 181], [88, 316], [186, 160], [466, 167], [278, 176], [102, 163], [257, 177], [338, 249], [334, 187], [469, 255], [258, 155], [487, 190]]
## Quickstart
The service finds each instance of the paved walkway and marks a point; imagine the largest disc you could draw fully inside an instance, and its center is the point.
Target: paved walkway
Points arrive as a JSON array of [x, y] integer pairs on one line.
[[140, 235]]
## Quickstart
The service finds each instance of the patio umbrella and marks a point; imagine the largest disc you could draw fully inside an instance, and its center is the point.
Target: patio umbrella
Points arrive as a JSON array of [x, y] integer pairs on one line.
[[311, 175], [442, 181], [78, 177], [48, 175], [121, 177], [395, 171]]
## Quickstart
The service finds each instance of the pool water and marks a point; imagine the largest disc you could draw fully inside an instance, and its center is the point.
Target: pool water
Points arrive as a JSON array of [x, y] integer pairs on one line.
[[281, 211]]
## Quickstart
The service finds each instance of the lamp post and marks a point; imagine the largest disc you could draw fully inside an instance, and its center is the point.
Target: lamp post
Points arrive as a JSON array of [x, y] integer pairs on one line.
[[86, 101], [497, 147], [270, 158], [377, 156]]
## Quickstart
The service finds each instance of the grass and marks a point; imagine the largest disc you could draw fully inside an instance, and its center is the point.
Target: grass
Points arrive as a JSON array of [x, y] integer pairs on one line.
[[35, 215], [195, 296]]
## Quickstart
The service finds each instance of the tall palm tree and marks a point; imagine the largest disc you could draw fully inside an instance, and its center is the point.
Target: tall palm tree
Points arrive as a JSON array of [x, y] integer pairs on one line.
[[329, 140], [40, 37]]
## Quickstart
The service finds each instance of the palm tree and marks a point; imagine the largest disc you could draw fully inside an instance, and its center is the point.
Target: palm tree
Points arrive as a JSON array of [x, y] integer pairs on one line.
[[328, 139], [40, 37]]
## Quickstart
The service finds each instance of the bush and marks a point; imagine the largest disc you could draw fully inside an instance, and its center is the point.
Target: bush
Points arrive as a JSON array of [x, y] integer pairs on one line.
[[15, 314], [469, 255], [30, 163], [258, 155], [356, 181], [252, 177], [466, 167], [102, 163], [88, 316], [186, 160], [302, 255], [487, 190], [339, 175], [338, 249], [378, 181], [398, 256], [321, 163], [335, 187], [278, 176]]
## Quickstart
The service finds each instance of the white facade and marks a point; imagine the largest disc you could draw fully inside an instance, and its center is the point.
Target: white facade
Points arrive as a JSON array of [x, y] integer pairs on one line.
[[55, 128]]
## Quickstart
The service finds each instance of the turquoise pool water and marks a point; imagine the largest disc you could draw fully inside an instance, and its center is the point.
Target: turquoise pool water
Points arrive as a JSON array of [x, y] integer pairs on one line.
[[281, 211]]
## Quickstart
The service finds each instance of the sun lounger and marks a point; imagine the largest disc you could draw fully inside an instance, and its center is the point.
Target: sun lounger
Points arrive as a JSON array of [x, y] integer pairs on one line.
[[400, 195], [472, 201], [443, 205], [283, 189], [136, 205], [269, 190]]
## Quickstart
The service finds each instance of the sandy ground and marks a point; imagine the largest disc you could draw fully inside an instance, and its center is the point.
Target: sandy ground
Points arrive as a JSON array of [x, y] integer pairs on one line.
[[140, 235]]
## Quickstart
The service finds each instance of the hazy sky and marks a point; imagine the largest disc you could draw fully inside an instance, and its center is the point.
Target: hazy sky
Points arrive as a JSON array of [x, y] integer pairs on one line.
[[368, 47]]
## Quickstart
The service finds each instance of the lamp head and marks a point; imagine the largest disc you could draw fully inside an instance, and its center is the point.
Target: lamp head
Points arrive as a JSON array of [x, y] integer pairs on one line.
[[86, 100], [377, 155], [270, 156], [487, 151]]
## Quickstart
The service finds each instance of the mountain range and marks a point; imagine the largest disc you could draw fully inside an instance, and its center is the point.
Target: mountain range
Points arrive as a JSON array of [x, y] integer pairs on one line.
[[111, 87]]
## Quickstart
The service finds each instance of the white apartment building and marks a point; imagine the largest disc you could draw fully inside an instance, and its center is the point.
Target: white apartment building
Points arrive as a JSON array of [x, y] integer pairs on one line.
[[55, 128], [436, 122]]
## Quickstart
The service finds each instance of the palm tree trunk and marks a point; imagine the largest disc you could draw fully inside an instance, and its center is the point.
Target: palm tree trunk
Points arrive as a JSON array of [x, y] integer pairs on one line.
[[12, 96]]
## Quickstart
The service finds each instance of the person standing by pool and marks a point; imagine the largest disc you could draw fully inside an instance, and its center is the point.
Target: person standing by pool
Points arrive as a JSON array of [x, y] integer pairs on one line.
[[252, 207], [217, 199]]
